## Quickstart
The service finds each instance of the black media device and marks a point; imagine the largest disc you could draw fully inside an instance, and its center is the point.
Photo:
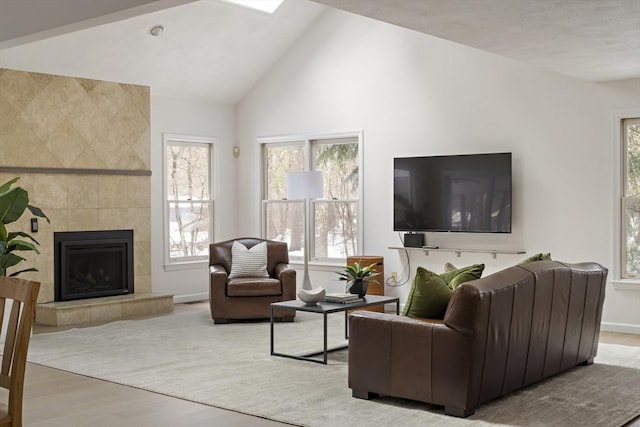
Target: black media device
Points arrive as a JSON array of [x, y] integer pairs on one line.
[[463, 193], [413, 240]]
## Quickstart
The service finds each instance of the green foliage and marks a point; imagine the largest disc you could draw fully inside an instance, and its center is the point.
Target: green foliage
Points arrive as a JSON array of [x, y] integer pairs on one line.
[[14, 201], [354, 273]]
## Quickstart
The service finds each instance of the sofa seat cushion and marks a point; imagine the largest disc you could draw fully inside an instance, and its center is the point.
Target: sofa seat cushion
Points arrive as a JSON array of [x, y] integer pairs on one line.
[[253, 287]]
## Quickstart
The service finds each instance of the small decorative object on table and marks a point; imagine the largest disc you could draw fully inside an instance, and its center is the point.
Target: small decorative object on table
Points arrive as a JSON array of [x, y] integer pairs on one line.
[[358, 278], [311, 296], [341, 297]]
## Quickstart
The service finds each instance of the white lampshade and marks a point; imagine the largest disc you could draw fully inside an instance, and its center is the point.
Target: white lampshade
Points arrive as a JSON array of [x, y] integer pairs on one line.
[[304, 185]]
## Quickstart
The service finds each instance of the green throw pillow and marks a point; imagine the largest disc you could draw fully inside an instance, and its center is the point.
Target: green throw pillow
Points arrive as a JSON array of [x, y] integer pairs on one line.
[[430, 293], [429, 296], [456, 277], [536, 257]]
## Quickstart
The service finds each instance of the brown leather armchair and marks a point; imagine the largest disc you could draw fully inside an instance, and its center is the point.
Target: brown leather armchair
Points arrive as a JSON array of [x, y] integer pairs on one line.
[[245, 297]]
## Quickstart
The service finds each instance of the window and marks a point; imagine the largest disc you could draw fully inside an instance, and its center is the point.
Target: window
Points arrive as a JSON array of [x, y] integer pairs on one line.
[[188, 195], [335, 220], [630, 220]]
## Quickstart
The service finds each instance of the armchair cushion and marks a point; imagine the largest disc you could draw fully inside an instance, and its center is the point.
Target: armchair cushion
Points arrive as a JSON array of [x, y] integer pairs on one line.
[[252, 287], [248, 262]]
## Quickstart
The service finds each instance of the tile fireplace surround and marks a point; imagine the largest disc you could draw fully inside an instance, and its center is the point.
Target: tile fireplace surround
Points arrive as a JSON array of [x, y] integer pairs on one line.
[[81, 148]]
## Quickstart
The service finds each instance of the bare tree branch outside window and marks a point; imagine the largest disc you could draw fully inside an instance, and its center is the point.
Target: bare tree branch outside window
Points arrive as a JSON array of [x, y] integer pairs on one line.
[[188, 197]]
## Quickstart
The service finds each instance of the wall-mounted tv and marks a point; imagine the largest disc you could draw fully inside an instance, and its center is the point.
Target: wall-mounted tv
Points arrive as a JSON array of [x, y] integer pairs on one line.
[[462, 193]]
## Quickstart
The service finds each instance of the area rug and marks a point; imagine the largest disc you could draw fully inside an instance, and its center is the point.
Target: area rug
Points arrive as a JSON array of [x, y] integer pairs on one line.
[[229, 366]]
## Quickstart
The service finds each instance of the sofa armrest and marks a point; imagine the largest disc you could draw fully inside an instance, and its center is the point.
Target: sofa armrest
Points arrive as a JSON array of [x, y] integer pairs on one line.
[[409, 358], [287, 276], [217, 288]]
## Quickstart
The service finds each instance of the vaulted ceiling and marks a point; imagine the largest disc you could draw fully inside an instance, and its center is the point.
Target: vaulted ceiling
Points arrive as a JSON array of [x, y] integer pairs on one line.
[[216, 51]]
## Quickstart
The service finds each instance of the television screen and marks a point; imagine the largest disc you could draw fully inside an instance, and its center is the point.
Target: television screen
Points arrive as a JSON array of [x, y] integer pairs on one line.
[[463, 193]]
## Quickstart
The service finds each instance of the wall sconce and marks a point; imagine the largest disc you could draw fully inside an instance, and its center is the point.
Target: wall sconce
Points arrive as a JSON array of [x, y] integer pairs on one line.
[[236, 151]]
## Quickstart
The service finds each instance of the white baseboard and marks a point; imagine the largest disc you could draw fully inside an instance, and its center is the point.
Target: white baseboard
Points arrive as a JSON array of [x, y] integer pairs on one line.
[[179, 299], [624, 328]]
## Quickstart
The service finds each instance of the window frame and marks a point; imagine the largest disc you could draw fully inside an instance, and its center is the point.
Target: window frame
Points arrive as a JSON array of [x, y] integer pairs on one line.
[[624, 197], [169, 139], [308, 141]]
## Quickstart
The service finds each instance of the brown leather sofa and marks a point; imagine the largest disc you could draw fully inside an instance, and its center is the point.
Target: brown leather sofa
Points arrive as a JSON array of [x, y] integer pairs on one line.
[[250, 298], [500, 333]]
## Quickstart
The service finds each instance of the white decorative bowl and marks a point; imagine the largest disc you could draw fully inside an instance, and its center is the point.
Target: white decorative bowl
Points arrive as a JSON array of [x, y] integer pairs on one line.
[[311, 297]]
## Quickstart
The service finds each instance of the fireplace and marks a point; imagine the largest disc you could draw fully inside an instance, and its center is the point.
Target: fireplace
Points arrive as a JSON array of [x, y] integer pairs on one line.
[[91, 264]]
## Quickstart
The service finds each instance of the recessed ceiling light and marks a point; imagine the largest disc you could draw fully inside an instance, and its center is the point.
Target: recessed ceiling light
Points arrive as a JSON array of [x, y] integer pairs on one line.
[[156, 31], [269, 6]]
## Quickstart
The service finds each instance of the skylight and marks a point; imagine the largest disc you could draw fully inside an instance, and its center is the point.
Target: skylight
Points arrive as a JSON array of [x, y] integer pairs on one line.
[[268, 6]]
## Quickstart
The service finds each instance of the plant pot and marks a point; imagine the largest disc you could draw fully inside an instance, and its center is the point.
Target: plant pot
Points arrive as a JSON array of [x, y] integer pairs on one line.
[[359, 287]]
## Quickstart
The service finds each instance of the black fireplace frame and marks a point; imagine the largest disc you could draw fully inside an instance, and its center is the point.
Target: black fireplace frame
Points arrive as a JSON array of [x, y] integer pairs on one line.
[[65, 239]]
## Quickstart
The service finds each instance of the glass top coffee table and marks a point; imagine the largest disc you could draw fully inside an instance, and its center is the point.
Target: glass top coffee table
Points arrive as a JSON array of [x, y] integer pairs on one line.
[[325, 308]]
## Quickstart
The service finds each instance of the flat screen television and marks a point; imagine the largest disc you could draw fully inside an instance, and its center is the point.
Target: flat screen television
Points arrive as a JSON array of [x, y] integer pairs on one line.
[[462, 193]]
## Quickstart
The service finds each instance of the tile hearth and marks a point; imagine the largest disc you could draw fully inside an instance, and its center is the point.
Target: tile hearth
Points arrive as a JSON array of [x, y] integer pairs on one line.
[[103, 309]]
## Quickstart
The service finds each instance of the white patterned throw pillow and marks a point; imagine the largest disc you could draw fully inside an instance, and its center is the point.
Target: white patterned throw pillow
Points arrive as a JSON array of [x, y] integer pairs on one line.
[[248, 262]]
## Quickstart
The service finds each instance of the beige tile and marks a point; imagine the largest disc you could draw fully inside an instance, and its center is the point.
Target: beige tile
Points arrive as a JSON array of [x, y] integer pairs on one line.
[[83, 220], [142, 284], [129, 160], [136, 308], [17, 143], [113, 191], [89, 159], [46, 315], [58, 218], [140, 221], [139, 192], [162, 305], [65, 93], [7, 112], [42, 116], [50, 191], [113, 219], [140, 97], [42, 157], [87, 84], [109, 97], [142, 147], [18, 88], [88, 119], [105, 312], [66, 144], [142, 258], [46, 292], [110, 146], [43, 262], [129, 122], [72, 316], [82, 191]]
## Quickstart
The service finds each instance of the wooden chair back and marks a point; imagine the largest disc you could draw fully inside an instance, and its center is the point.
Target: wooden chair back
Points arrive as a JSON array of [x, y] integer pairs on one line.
[[21, 296]]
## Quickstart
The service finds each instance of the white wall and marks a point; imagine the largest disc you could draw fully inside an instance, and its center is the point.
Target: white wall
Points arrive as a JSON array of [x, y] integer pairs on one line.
[[191, 118], [413, 94]]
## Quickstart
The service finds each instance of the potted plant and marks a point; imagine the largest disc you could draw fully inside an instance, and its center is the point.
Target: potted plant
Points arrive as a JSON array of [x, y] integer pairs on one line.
[[14, 201], [358, 278]]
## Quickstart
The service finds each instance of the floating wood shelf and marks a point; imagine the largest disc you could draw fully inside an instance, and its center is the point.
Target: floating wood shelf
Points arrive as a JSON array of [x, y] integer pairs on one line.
[[459, 251]]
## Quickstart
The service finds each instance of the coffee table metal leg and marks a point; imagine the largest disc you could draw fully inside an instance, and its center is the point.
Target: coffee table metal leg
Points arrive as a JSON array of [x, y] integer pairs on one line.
[[325, 338], [271, 317]]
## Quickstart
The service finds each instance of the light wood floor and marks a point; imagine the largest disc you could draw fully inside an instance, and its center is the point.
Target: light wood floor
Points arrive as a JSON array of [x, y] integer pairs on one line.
[[55, 398]]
